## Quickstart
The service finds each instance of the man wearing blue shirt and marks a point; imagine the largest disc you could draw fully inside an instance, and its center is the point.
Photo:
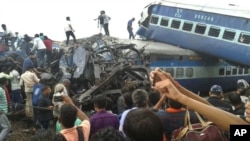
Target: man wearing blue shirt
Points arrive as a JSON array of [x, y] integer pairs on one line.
[[130, 28], [28, 62]]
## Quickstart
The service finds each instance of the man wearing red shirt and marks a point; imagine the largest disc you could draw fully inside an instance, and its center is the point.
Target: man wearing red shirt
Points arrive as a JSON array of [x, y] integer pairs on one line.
[[48, 43]]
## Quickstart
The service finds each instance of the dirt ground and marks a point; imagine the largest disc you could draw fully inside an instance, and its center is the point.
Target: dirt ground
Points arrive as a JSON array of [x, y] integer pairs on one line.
[[19, 123]]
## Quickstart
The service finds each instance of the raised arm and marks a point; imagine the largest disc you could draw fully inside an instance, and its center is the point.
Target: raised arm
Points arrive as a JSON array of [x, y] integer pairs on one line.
[[221, 118]]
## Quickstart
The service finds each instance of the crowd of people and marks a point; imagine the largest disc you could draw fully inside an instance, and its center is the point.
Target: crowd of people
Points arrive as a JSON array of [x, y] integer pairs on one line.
[[143, 114]]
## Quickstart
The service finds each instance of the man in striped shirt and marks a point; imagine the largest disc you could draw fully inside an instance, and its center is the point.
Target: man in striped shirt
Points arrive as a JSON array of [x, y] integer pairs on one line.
[[4, 122]]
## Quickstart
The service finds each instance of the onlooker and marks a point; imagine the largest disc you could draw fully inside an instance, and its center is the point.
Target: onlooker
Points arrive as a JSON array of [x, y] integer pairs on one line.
[[66, 83], [100, 22], [215, 98], [77, 121], [67, 118], [143, 125], [28, 62], [242, 89], [48, 43], [102, 118], [69, 31], [16, 94], [9, 36], [107, 134], [238, 105], [130, 28], [140, 100], [41, 50], [4, 122], [59, 90], [166, 85], [41, 36], [105, 22], [45, 115], [28, 79]]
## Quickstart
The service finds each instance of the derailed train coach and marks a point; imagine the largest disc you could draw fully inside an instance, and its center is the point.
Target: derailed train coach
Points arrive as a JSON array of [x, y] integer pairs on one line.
[[103, 65]]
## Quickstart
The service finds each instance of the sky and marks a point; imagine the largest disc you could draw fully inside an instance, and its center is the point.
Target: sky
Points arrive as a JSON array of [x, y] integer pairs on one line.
[[48, 16]]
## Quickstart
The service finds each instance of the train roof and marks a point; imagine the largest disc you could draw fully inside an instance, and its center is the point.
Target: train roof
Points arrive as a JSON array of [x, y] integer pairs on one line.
[[157, 48], [237, 8]]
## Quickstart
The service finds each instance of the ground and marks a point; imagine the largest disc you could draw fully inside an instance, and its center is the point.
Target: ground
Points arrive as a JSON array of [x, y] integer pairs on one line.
[[20, 123]]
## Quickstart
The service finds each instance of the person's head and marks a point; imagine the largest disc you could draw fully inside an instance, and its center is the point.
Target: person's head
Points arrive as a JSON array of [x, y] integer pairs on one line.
[[143, 125], [133, 19], [16, 33], [59, 137], [100, 102], [216, 90], [102, 12], [67, 117], [174, 104], [66, 83], [68, 18], [242, 86], [3, 26], [235, 99], [140, 98], [107, 134], [36, 35], [154, 97], [59, 88], [32, 55], [45, 37], [110, 104], [29, 68], [41, 34], [43, 134], [3, 81], [128, 102], [46, 90]]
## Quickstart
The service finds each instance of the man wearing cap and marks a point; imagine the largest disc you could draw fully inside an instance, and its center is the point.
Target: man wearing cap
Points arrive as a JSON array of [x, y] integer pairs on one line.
[[215, 98]]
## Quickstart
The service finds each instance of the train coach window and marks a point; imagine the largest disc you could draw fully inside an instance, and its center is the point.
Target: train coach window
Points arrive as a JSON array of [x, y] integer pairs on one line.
[[214, 31], [244, 38], [176, 24], [179, 72], [240, 71], [222, 71], [164, 22], [187, 26], [229, 35], [170, 70], [246, 70], [154, 20], [189, 72], [200, 28], [234, 72]]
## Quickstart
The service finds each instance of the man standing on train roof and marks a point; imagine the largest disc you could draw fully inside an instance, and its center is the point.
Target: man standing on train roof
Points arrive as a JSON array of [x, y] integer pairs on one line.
[[9, 36], [130, 28], [106, 20], [69, 30]]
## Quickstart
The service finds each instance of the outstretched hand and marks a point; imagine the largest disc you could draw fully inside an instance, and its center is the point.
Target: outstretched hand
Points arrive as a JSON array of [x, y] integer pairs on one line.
[[167, 88], [159, 75]]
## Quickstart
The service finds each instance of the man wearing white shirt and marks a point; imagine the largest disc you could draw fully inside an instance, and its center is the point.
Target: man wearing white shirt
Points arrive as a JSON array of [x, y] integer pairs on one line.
[[41, 50], [9, 36], [69, 30]]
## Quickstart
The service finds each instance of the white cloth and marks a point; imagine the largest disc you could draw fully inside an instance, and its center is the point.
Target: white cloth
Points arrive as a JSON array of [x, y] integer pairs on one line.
[[67, 26], [7, 31], [29, 79], [15, 80], [38, 44], [105, 19]]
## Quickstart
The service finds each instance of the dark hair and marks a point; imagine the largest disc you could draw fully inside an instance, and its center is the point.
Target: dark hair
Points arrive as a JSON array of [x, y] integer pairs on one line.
[[3, 25], [45, 87], [45, 37], [3, 80], [67, 18], [107, 134], [128, 100], [143, 125], [154, 96], [110, 103], [140, 98], [43, 134], [100, 101], [41, 34], [36, 35], [68, 115], [234, 98], [174, 104], [59, 137]]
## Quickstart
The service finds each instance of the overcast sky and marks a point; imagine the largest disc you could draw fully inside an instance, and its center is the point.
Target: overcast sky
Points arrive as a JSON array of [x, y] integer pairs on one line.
[[48, 16]]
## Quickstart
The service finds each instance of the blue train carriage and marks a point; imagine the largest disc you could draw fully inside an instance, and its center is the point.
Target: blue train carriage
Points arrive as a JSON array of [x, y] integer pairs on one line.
[[197, 72], [218, 28]]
